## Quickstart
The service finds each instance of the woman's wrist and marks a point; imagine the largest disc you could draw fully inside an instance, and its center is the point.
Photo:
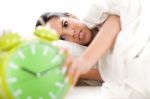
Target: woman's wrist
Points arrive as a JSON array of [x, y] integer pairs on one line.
[[93, 74]]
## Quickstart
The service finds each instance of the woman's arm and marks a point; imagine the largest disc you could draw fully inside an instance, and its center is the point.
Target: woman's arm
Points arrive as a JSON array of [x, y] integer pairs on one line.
[[112, 25], [103, 41], [92, 74]]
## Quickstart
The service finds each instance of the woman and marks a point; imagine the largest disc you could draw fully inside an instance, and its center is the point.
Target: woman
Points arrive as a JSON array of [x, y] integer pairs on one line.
[[70, 28], [118, 44]]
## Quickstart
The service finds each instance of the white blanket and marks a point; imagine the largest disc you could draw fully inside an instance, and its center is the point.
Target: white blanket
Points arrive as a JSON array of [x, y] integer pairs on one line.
[[128, 65]]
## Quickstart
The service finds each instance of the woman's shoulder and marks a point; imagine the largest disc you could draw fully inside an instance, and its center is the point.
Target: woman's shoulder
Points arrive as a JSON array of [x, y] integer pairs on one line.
[[96, 14], [99, 12]]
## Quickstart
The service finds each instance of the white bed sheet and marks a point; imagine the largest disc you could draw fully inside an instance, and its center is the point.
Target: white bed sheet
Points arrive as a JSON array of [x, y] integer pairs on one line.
[[84, 93]]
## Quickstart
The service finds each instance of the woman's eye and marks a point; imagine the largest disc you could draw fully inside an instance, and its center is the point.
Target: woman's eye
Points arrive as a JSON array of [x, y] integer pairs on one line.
[[62, 37], [65, 24]]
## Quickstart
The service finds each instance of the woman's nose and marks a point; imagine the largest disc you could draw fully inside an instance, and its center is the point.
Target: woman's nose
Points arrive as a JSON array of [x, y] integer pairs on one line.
[[74, 33]]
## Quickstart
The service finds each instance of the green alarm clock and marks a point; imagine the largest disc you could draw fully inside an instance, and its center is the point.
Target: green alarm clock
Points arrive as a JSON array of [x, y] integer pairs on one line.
[[32, 69]]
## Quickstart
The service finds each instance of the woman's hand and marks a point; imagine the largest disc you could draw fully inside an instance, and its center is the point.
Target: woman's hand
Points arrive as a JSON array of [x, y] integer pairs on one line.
[[74, 67], [78, 66]]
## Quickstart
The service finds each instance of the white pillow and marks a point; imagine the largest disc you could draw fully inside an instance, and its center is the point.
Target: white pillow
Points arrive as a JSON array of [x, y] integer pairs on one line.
[[75, 49]]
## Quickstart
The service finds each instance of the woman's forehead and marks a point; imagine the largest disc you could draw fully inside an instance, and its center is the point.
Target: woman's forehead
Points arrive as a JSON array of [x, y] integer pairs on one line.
[[55, 23]]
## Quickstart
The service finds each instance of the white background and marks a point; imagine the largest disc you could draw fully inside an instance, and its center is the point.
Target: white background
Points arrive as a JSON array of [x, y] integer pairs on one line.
[[21, 15]]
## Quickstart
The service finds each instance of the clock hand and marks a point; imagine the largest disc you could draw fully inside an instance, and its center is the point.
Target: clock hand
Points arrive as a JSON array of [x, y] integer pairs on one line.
[[47, 70], [29, 71]]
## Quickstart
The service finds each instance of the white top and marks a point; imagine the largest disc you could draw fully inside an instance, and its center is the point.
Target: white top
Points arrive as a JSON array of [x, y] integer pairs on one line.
[[123, 66], [99, 12]]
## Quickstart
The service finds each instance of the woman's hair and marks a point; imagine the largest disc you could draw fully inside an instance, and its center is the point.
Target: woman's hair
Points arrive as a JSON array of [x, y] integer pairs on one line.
[[45, 17]]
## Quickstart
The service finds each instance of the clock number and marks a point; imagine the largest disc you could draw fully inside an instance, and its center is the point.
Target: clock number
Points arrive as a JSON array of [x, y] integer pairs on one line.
[[12, 80], [46, 49], [52, 95], [29, 97], [21, 55], [17, 93], [60, 85], [64, 69], [13, 66], [33, 49]]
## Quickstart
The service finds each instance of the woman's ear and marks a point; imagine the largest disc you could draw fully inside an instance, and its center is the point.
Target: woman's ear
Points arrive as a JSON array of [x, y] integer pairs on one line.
[[70, 15]]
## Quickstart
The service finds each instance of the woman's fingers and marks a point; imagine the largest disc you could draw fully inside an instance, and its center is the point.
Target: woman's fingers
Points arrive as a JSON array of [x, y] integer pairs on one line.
[[74, 72], [76, 77], [69, 60], [67, 65], [71, 67]]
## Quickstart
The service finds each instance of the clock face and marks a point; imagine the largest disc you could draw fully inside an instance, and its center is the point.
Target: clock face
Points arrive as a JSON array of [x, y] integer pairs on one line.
[[35, 72]]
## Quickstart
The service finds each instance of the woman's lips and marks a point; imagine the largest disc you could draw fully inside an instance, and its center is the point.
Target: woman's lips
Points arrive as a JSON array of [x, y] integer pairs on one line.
[[81, 35]]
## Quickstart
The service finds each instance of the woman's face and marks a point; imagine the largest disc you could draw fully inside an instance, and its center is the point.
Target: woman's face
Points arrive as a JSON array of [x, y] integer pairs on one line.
[[71, 29]]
